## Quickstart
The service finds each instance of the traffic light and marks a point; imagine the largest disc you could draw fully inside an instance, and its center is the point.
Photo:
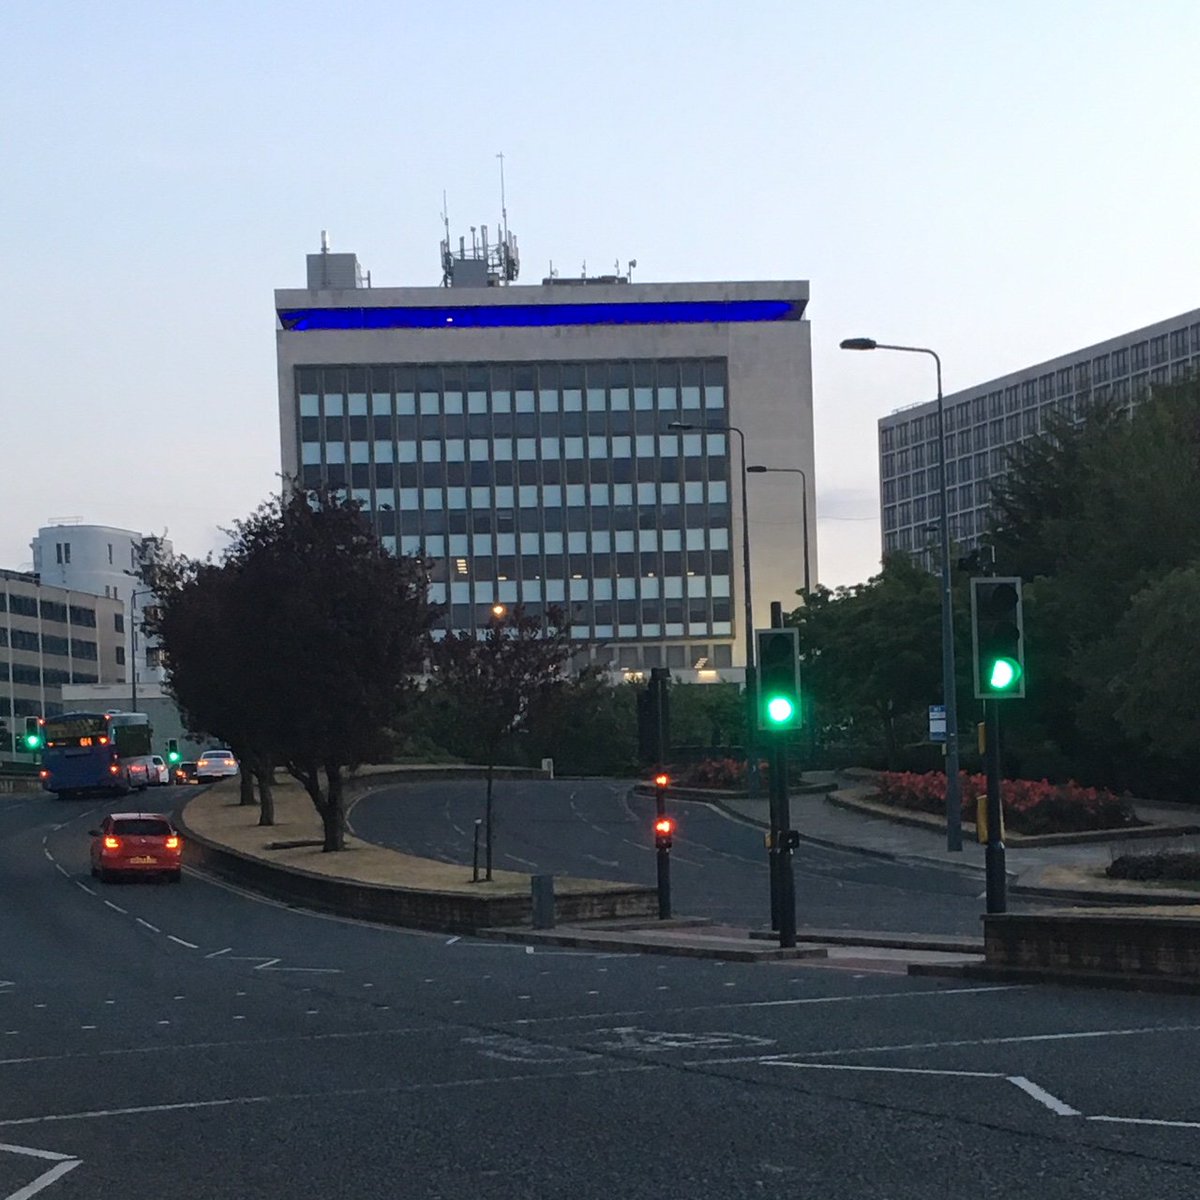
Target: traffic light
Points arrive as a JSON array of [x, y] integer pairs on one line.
[[173, 755], [998, 638], [778, 700], [664, 827], [33, 740]]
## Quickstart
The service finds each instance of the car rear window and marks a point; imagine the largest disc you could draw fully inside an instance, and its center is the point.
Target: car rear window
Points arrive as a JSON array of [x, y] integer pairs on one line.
[[141, 827], [223, 755]]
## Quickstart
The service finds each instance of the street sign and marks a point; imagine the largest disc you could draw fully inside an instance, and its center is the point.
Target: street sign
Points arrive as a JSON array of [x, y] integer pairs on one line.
[[937, 722]]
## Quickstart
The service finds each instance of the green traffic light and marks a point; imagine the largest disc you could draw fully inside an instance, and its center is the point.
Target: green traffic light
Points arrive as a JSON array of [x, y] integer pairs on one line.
[[1004, 674], [32, 741], [780, 709]]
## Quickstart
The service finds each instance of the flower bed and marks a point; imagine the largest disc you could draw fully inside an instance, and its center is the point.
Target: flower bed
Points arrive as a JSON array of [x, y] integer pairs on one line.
[[720, 773], [1030, 806]]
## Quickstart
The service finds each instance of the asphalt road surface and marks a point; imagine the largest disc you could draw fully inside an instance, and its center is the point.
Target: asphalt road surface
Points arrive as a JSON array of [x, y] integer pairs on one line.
[[196, 1042], [597, 829]]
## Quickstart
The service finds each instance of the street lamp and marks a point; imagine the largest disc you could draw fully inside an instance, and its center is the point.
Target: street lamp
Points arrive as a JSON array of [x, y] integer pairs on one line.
[[134, 648], [804, 507], [751, 756], [949, 691]]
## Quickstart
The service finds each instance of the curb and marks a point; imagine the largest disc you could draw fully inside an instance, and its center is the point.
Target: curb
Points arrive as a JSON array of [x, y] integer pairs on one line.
[[394, 904], [1092, 979], [866, 851], [679, 949], [1023, 841], [882, 941]]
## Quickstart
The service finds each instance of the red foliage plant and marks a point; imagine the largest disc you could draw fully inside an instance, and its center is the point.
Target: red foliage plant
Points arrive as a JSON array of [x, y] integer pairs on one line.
[[1030, 806]]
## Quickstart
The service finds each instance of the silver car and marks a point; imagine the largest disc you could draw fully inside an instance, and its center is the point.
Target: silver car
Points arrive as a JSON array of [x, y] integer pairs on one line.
[[216, 764]]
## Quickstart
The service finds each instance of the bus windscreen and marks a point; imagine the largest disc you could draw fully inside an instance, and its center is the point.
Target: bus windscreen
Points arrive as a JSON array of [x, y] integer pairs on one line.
[[73, 728]]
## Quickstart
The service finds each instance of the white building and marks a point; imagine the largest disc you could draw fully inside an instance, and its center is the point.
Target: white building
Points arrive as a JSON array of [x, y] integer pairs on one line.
[[103, 560], [984, 422], [564, 445]]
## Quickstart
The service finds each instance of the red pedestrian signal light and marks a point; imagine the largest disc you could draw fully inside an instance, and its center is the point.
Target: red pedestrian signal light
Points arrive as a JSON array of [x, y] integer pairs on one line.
[[662, 781], [664, 827]]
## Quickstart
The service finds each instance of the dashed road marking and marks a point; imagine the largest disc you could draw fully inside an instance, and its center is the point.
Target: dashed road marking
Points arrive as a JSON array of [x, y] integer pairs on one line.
[[116, 907], [181, 942], [142, 921]]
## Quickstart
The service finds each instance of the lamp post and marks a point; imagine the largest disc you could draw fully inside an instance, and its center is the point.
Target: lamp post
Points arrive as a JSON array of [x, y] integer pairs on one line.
[[134, 646], [751, 756], [803, 507], [949, 691]]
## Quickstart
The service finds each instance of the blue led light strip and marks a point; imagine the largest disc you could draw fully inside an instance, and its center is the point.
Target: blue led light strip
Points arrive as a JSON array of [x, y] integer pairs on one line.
[[507, 316]]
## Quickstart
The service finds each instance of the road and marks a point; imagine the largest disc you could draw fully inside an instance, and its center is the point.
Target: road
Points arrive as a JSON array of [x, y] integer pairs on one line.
[[197, 1042], [596, 829]]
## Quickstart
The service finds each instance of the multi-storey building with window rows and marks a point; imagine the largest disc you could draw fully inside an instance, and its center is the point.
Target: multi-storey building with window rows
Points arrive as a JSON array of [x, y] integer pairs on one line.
[[51, 637], [985, 421], [567, 446]]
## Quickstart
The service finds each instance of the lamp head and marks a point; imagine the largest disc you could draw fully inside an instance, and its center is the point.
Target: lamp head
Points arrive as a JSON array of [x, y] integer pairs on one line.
[[859, 343]]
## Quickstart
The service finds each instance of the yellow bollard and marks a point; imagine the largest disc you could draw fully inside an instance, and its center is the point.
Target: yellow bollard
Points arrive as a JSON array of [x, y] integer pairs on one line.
[[981, 821]]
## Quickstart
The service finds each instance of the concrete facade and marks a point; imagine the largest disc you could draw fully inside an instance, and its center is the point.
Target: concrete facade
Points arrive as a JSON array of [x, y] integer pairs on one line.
[[50, 638], [102, 560], [767, 392], [984, 422]]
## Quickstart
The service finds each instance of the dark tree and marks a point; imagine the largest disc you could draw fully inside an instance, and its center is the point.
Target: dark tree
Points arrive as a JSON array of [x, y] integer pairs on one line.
[[199, 621], [489, 685], [340, 629]]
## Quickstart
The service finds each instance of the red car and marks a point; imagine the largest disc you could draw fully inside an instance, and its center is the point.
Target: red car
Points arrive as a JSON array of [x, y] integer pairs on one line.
[[134, 843]]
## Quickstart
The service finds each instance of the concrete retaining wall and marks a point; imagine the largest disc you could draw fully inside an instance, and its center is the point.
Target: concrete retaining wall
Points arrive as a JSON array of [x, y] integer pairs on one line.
[[1132, 945], [409, 907]]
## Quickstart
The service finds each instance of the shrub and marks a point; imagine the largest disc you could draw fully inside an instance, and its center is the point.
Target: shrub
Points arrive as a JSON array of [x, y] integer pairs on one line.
[[1162, 864], [727, 773], [1030, 806]]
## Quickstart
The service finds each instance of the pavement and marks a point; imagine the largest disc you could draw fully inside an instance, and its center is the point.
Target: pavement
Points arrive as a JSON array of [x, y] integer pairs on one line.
[[1065, 872]]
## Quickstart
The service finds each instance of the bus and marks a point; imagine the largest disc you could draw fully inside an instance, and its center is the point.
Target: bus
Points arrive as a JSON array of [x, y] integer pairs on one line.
[[90, 753]]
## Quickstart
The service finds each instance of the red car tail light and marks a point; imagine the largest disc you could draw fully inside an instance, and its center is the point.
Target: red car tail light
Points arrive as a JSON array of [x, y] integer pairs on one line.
[[114, 769], [173, 842], [43, 774], [112, 843]]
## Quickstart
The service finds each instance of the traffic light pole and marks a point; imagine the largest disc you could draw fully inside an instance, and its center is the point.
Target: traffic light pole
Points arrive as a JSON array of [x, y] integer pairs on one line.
[[775, 874], [785, 881], [994, 856], [662, 854]]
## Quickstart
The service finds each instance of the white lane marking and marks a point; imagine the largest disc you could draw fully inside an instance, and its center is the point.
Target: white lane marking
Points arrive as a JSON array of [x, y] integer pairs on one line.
[[451, 941], [799, 1000], [46, 852], [804, 1066], [604, 862], [218, 953], [181, 942], [80, 884], [1031, 1089], [336, 1093], [147, 924], [87, 1027], [48, 1155], [116, 907], [996, 1041], [62, 870], [238, 1044], [1053, 1103], [1148, 1121], [44, 1180]]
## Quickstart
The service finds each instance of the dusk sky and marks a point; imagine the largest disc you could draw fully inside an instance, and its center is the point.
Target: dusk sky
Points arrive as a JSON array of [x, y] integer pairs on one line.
[[1002, 183]]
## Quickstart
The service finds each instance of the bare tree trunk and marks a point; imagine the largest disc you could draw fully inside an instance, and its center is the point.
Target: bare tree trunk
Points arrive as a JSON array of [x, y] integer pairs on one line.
[[246, 782], [487, 815], [264, 772], [334, 814]]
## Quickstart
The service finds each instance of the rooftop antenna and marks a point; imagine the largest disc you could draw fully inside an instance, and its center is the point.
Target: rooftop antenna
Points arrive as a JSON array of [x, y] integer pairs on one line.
[[324, 241], [503, 204], [632, 264]]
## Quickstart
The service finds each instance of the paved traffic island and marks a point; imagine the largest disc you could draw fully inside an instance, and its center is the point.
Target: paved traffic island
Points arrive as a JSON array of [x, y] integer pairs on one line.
[[369, 882], [1150, 948]]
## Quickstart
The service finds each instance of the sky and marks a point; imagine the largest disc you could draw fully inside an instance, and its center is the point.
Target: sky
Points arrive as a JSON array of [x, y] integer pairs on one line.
[[1000, 182]]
